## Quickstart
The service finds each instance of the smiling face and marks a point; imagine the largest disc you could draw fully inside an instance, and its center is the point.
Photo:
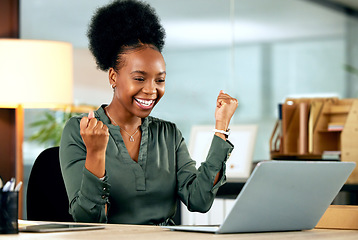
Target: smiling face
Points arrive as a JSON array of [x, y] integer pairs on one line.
[[139, 83]]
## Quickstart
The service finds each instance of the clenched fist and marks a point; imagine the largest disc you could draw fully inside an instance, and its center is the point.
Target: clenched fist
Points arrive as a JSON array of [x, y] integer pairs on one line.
[[95, 136], [225, 109]]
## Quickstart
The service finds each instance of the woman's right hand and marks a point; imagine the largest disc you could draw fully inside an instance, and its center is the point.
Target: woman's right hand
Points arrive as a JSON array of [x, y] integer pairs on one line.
[[95, 136]]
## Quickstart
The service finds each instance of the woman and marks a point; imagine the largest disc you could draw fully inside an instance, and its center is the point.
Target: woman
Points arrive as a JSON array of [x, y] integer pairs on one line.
[[119, 164]]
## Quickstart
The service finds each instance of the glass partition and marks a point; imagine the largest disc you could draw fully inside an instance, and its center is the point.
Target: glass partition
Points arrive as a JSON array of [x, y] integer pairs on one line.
[[286, 49], [258, 51]]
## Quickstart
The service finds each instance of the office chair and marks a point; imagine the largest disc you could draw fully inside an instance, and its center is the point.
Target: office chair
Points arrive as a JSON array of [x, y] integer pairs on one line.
[[46, 194]]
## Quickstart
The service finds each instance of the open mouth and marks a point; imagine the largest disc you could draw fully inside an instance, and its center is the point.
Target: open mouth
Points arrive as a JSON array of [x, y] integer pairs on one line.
[[144, 104]]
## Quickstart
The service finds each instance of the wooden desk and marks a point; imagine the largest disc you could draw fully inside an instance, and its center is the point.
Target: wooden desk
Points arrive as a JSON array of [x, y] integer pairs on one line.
[[128, 232]]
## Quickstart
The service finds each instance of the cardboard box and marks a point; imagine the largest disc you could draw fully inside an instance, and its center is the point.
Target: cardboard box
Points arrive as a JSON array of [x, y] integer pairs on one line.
[[340, 217]]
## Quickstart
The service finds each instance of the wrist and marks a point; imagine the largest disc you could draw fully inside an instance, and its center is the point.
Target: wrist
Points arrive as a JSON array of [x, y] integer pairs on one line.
[[221, 125], [225, 132], [96, 155], [222, 134]]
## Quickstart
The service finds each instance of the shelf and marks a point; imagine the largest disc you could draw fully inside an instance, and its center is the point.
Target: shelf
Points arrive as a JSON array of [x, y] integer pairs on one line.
[[340, 109], [294, 156], [330, 131], [315, 125]]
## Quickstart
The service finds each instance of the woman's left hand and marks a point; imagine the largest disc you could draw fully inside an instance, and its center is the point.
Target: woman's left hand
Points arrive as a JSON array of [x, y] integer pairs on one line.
[[225, 109]]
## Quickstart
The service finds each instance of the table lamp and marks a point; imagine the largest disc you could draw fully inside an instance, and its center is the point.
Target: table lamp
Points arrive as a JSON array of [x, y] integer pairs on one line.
[[33, 74]]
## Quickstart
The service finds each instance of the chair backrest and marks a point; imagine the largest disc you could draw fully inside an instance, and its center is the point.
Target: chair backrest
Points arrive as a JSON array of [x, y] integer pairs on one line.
[[46, 194]]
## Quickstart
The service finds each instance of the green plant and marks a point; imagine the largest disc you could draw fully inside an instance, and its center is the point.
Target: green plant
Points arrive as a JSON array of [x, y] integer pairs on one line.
[[50, 127], [351, 69]]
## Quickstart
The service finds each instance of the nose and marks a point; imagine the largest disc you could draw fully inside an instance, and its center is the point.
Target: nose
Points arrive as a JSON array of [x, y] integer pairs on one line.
[[150, 88]]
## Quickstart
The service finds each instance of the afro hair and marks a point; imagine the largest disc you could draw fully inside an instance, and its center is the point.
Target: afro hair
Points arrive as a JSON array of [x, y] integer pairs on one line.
[[122, 24]]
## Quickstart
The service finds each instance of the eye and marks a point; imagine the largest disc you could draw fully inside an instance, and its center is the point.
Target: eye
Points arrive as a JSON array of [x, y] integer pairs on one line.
[[161, 80], [140, 79]]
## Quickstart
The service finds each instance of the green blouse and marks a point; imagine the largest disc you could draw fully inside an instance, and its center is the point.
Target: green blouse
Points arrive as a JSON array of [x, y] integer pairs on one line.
[[143, 192]]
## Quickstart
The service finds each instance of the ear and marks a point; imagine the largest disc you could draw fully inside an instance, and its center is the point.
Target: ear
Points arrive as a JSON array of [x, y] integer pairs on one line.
[[112, 77]]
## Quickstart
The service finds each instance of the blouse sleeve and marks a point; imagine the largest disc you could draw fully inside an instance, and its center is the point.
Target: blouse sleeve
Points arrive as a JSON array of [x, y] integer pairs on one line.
[[87, 194], [196, 187]]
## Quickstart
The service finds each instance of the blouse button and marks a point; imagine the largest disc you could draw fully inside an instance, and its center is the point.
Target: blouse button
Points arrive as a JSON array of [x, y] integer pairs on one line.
[[103, 197]]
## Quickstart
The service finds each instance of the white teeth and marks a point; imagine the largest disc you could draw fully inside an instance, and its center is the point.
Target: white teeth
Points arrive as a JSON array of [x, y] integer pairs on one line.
[[145, 102]]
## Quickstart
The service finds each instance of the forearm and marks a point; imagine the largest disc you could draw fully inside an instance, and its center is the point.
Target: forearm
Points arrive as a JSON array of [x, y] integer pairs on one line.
[[95, 162], [90, 202], [198, 190], [221, 125], [217, 177], [84, 189]]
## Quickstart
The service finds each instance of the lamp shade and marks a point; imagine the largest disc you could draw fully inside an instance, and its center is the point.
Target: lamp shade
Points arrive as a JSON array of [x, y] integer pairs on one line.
[[35, 73]]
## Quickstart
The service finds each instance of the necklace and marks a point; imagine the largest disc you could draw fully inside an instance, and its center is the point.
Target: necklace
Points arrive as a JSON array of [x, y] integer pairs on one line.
[[131, 138]]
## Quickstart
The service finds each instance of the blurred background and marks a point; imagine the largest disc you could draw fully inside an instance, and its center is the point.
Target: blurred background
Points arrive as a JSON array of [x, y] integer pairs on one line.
[[259, 51]]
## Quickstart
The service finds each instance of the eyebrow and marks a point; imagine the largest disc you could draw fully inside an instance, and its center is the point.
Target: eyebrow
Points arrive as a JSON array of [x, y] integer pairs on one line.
[[144, 73]]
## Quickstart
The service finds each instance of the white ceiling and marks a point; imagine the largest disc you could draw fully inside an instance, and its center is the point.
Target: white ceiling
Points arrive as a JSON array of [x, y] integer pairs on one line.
[[192, 22]]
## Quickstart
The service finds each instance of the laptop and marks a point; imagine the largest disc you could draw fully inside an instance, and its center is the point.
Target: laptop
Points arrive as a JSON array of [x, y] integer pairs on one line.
[[282, 196]]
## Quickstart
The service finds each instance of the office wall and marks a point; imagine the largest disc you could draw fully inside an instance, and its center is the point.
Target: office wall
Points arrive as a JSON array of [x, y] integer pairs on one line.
[[195, 76], [259, 51]]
